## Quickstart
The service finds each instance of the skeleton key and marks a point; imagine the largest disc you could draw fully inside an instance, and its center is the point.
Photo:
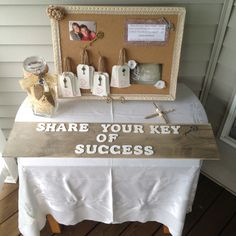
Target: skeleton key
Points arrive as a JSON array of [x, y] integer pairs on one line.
[[99, 35], [124, 70], [191, 129], [83, 69], [65, 81], [100, 81]]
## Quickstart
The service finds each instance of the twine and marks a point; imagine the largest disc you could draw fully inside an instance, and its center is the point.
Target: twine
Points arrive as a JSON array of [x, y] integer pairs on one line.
[[101, 64], [84, 57], [66, 64], [122, 57], [31, 80]]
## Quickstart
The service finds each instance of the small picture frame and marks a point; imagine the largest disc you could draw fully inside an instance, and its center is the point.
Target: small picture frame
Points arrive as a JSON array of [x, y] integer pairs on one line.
[[228, 133], [82, 30]]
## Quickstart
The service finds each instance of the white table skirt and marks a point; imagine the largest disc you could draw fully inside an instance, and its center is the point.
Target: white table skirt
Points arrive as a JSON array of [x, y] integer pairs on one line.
[[109, 190]]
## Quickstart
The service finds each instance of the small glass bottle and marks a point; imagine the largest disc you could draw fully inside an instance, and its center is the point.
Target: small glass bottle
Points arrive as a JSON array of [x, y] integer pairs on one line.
[[42, 90]]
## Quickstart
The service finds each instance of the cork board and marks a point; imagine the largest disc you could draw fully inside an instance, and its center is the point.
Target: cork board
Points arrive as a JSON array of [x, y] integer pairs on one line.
[[113, 22], [112, 140]]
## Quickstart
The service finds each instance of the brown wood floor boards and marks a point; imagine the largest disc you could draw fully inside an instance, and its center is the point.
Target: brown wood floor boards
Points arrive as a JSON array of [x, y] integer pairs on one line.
[[10, 226], [218, 215], [8, 206], [7, 189], [140, 229], [81, 229], [230, 228], [206, 195]]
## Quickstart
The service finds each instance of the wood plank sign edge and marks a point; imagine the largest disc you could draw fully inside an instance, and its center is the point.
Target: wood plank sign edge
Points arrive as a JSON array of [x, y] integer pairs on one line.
[[112, 140]]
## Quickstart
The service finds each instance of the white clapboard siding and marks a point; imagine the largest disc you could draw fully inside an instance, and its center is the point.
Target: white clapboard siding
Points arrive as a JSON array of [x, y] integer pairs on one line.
[[6, 132], [25, 35], [17, 53], [14, 69], [8, 111], [10, 85], [10, 98], [194, 83], [6, 123], [189, 69], [224, 80], [195, 52], [25, 31]]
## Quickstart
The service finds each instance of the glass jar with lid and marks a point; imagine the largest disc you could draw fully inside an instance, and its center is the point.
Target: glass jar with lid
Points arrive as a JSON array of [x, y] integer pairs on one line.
[[40, 85]]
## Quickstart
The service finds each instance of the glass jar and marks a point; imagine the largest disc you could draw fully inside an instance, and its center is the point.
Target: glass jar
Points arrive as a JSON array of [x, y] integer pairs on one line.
[[42, 89]]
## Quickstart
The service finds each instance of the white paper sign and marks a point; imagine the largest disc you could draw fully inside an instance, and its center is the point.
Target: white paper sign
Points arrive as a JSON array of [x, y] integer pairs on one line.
[[146, 32]]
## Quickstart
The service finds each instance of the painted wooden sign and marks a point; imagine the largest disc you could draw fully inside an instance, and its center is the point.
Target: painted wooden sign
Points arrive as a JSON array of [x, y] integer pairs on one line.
[[120, 140]]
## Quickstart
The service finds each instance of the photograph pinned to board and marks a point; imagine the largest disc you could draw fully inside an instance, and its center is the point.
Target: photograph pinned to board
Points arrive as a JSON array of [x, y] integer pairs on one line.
[[82, 30]]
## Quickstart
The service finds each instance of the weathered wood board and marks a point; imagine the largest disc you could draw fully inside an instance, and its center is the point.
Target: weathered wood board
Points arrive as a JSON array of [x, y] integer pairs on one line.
[[112, 140]]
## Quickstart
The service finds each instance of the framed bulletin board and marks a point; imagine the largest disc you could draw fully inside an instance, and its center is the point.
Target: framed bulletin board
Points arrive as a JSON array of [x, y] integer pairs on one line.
[[150, 36]]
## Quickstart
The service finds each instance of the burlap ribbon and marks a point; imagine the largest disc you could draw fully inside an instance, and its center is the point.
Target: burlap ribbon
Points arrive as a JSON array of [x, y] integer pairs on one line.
[[30, 80], [66, 64], [43, 102]]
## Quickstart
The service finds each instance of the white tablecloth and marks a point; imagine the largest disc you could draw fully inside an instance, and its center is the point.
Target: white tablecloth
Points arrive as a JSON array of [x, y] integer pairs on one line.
[[109, 190]]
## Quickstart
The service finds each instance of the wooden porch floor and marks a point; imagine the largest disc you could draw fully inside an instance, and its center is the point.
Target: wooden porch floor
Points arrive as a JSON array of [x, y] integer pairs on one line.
[[214, 214]]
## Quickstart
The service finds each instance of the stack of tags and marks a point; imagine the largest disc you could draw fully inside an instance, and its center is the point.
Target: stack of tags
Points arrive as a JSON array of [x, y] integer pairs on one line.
[[120, 77], [85, 76], [68, 84], [85, 72], [101, 85]]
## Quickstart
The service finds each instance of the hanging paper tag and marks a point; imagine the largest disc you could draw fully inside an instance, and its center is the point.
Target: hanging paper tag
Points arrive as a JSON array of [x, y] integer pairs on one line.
[[124, 76], [68, 84], [38, 91], [114, 77], [101, 84], [75, 84], [120, 76], [85, 76]]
